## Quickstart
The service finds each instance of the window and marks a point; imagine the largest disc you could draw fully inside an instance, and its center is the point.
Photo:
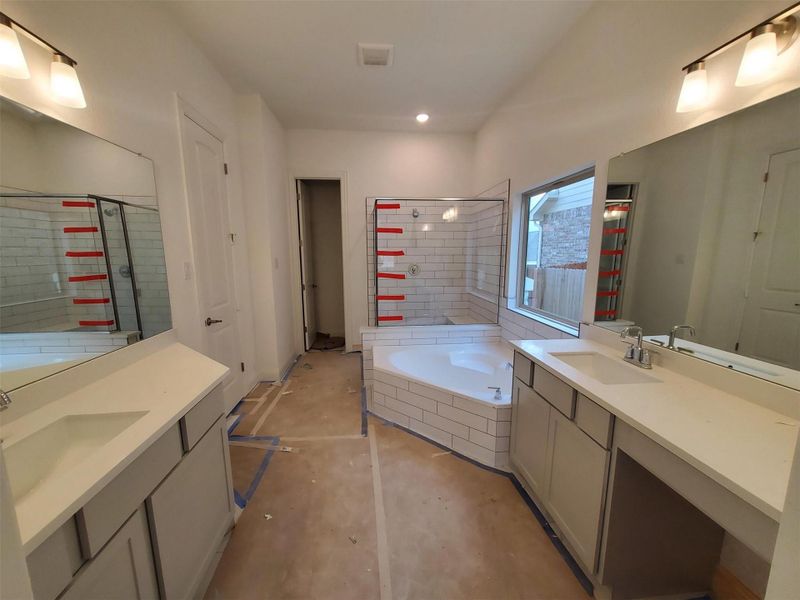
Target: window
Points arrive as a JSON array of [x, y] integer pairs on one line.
[[554, 247]]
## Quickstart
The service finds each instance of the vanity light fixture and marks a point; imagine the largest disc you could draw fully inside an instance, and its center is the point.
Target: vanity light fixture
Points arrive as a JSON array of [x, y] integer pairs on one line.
[[694, 92], [423, 117], [64, 83], [766, 41], [12, 61], [760, 56]]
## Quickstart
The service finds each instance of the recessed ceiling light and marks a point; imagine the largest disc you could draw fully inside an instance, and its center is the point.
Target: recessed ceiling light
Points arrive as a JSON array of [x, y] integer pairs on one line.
[[422, 117]]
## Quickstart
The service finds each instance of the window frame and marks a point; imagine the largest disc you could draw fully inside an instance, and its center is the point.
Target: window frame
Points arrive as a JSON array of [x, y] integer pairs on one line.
[[519, 306]]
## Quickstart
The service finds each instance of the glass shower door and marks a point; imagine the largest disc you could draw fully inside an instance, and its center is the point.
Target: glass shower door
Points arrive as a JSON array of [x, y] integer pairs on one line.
[[123, 284]]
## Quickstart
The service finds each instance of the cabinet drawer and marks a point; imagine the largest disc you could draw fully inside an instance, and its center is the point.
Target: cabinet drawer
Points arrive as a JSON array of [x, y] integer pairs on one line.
[[523, 369], [555, 391], [202, 416], [595, 420], [111, 507], [53, 563]]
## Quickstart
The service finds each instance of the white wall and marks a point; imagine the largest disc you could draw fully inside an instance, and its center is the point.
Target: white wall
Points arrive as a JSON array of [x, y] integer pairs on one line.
[[378, 164], [266, 204], [133, 59], [612, 85]]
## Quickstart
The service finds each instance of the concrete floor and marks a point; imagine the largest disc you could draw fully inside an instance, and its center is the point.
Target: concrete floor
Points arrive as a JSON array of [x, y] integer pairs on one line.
[[383, 516]]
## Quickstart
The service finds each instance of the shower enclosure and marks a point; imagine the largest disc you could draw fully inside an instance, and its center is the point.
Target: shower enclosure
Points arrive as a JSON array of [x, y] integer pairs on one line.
[[81, 263], [435, 261]]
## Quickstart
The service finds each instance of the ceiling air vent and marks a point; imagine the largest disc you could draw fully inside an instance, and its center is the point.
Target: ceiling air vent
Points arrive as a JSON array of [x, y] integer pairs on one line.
[[375, 55]]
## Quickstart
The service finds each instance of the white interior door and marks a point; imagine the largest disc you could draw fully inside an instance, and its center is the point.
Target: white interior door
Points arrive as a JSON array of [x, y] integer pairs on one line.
[[771, 322], [213, 254], [307, 265]]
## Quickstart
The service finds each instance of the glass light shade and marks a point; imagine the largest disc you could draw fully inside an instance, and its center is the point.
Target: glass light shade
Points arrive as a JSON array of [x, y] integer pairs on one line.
[[758, 62], [65, 86], [12, 61], [694, 92]]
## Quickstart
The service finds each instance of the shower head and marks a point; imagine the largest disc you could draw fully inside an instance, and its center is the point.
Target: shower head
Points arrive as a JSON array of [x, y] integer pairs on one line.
[[110, 212], [415, 213]]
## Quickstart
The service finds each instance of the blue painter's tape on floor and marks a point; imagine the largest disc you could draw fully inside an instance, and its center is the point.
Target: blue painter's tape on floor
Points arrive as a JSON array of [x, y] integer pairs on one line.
[[255, 438], [262, 468], [242, 500], [364, 412]]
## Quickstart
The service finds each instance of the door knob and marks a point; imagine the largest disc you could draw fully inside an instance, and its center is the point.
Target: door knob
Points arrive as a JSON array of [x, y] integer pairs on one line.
[[210, 321]]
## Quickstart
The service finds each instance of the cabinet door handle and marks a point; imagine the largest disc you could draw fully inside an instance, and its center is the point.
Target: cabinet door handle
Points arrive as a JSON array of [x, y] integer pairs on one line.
[[210, 321]]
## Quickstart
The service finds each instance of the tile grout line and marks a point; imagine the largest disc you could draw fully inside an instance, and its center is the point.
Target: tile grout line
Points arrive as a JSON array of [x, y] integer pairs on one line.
[[270, 408], [384, 573]]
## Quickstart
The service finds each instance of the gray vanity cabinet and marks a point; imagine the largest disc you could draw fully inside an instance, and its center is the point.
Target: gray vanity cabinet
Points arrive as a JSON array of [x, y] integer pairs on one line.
[[190, 512], [560, 443], [529, 435], [124, 569], [577, 472]]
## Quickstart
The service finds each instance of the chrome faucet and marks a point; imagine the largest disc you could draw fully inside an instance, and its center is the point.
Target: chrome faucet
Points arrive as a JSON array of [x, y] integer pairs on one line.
[[497, 393], [636, 354], [5, 400], [673, 333]]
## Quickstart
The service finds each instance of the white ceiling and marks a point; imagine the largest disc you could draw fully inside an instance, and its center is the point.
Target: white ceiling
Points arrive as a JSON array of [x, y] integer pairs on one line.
[[453, 59]]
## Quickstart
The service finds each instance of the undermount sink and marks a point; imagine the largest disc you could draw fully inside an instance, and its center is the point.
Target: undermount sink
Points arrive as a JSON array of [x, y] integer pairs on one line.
[[60, 447], [604, 369]]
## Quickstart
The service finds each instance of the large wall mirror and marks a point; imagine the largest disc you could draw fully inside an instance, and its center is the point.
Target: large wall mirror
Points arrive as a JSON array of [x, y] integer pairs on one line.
[[702, 229], [82, 267]]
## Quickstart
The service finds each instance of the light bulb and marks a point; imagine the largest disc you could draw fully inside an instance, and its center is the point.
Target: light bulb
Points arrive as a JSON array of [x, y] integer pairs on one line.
[[760, 56], [12, 61], [423, 117], [694, 92], [64, 83]]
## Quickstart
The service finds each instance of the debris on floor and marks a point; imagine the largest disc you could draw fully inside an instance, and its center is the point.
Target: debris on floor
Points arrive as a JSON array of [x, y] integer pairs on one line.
[[267, 516], [325, 341], [307, 366], [352, 539], [286, 449], [287, 393], [441, 453]]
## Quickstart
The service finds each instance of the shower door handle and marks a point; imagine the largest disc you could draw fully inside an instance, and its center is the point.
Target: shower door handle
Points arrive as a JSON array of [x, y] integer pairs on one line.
[[210, 321]]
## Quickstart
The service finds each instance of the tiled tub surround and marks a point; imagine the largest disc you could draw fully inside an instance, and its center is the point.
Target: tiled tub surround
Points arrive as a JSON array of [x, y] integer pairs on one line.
[[458, 247], [475, 428], [38, 258], [36, 293]]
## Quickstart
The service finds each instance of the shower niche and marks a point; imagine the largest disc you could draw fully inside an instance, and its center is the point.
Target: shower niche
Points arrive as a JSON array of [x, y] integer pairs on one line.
[[435, 261]]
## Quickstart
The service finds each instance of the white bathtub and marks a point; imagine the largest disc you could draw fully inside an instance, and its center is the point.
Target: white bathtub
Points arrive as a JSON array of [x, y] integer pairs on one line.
[[465, 369]]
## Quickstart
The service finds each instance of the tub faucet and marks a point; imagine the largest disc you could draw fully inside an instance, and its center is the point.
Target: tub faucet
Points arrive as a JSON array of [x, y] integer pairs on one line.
[[497, 394], [636, 353], [5, 400]]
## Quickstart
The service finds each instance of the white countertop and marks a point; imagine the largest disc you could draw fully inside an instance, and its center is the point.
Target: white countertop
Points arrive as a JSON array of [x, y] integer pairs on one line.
[[166, 384], [742, 446]]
